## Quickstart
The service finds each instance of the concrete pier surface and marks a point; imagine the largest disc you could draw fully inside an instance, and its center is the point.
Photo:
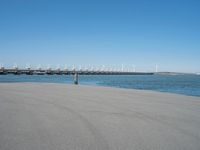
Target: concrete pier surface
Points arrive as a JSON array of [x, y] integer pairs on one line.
[[47, 116]]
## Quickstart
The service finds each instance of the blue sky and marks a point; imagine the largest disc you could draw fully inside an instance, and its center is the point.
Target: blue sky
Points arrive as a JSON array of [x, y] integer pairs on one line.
[[106, 32]]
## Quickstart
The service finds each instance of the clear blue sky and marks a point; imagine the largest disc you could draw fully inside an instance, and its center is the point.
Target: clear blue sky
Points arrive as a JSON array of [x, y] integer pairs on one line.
[[104, 32]]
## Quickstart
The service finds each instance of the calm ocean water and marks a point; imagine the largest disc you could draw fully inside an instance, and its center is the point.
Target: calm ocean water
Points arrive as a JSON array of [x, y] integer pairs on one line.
[[181, 84]]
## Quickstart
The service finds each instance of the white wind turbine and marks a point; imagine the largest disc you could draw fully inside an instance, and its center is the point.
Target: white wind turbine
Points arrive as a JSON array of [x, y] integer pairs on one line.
[[107, 68], [80, 68], [122, 68], [28, 66], [134, 68], [102, 68], [112, 68], [98, 68], [92, 68], [39, 67], [58, 67], [86, 68], [48, 67], [1, 66], [156, 67], [89, 67], [73, 68], [65, 67], [15, 66]]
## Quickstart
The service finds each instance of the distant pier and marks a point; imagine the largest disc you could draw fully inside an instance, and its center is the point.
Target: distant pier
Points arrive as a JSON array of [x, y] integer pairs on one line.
[[18, 71], [74, 72]]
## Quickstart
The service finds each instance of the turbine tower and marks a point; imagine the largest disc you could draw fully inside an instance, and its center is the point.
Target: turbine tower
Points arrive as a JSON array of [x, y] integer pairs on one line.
[[134, 70], [80, 68], [15, 66], [1, 66], [48, 67], [58, 67], [28, 66], [73, 68], [65, 67], [156, 68], [39, 67]]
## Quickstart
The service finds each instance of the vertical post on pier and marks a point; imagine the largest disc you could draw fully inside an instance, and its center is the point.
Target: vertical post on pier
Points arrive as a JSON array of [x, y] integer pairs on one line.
[[76, 78]]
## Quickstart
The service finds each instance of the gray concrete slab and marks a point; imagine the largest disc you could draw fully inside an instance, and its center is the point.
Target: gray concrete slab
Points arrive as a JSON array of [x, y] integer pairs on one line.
[[42, 116]]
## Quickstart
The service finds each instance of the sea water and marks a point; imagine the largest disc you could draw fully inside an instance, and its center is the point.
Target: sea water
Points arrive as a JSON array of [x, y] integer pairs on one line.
[[180, 84]]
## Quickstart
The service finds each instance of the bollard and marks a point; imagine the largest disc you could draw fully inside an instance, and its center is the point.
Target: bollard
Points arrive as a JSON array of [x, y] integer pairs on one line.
[[76, 78]]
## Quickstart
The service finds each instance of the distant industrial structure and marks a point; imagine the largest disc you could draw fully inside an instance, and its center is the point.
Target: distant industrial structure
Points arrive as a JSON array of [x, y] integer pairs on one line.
[[73, 71], [66, 71], [49, 71]]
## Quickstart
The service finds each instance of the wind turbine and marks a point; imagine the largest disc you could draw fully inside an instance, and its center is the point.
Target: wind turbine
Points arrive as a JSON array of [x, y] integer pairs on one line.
[[58, 67], [73, 67], [28, 66], [39, 67], [15, 66], [113, 69], [86, 68], [156, 67], [92, 68], [1, 66], [102, 68], [122, 69], [48, 67], [65, 67], [110, 68], [80, 68], [134, 70], [98, 69]]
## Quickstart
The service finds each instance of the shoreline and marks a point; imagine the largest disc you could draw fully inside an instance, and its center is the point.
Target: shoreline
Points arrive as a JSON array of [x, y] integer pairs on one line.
[[103, 86]]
